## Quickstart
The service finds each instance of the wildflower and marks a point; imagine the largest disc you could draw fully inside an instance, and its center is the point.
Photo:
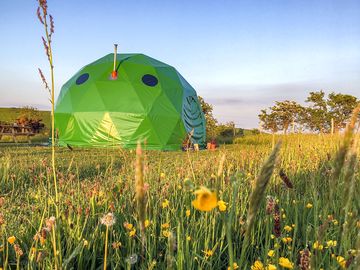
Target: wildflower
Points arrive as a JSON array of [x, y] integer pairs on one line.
[[108, 220], [270, 204], [18, 250], [187, 213], [166, 233], [331, 243], [165, 226], [276, 245], [147, 223], [287, 240], [116, 245], [277, 222], [11, 240], [2, 219], [86, 243], [222, 206], [305, 260], [208, 253], [288, 228], [309, 205], [270, 267], [165, 204], [341, 261], [235, 266], [162, 175], [128, 226], [50, 223], [286, 263], [335, 222], [318, 246], [205, 199], [258, 265], [272, 236], [271, 253], [132, 232], [283, 216], [188, 238], [285, 179]]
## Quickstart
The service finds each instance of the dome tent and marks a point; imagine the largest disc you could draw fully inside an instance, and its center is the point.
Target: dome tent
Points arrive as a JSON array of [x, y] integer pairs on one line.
[[148, 101]]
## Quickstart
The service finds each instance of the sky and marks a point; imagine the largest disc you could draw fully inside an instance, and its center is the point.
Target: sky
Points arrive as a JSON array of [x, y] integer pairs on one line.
[[240, 56]]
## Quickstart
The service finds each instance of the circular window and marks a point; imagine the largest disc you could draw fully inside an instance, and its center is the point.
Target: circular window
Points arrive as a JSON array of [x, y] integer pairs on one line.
[[82, 78], [149, 80]]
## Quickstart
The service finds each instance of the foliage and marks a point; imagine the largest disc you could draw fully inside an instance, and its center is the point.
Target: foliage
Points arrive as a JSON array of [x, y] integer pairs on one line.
[[211, 122], [317, 117]]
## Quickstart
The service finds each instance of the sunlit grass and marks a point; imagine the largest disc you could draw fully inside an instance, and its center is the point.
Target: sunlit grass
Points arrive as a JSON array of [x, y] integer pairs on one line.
[[172, 233]]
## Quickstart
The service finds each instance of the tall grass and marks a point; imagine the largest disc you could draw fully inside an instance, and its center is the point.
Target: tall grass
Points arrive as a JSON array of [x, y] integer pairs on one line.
[[94, 182]]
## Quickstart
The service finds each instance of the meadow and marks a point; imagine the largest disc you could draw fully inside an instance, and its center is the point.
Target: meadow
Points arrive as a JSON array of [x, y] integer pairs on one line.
[[307, 215]]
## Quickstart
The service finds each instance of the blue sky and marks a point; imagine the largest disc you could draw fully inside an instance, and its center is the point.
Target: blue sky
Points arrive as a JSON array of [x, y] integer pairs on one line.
[[239, 55]]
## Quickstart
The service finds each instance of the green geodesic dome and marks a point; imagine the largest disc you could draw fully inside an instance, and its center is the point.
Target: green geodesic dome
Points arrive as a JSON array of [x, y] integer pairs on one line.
[[149, 101]]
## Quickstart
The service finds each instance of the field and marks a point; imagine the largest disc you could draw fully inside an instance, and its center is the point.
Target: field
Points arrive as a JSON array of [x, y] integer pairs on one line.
[[315, 222]]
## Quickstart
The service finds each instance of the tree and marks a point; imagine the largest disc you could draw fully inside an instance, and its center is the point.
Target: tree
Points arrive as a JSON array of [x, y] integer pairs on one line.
[[269, 121], [340, 109], [211, 122], [281, 116], [316, 116]]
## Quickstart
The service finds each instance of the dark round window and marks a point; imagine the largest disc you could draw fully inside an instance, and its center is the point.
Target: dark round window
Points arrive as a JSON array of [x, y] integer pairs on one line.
[[82, 78], [149, 80]]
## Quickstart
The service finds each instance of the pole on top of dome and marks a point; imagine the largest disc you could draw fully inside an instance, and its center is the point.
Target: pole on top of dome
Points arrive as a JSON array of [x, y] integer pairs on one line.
[[114, 72]]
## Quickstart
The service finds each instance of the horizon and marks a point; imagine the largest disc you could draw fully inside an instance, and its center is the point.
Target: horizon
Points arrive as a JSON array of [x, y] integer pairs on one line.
[[238, 56]]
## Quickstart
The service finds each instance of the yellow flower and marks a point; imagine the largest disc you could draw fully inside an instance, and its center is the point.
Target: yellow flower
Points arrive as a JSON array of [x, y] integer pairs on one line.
[[276, 245], [309, 205], [187, 213], [208, 253], [271, 253], [188, 238], [128, 226], [205, 199], [85, 243], [283, 216], [165, 204], [335, 222], [341, 261], [147, 223], [162, 175], [285, 262], [165, 226], [257, 266], [331, 243], [271, 267], [235, 266], [272, 236], [132, 232], [222, 206], [287, 240], [11, 240], [166, 233], [318, 246], [288, 228]]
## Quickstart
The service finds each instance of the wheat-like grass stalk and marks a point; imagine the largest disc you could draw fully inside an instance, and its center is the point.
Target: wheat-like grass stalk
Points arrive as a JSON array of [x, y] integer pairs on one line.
[[257, 195], [140, 192]]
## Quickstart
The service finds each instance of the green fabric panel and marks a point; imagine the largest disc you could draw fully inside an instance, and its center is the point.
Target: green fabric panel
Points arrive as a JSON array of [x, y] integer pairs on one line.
[[104, 112]]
